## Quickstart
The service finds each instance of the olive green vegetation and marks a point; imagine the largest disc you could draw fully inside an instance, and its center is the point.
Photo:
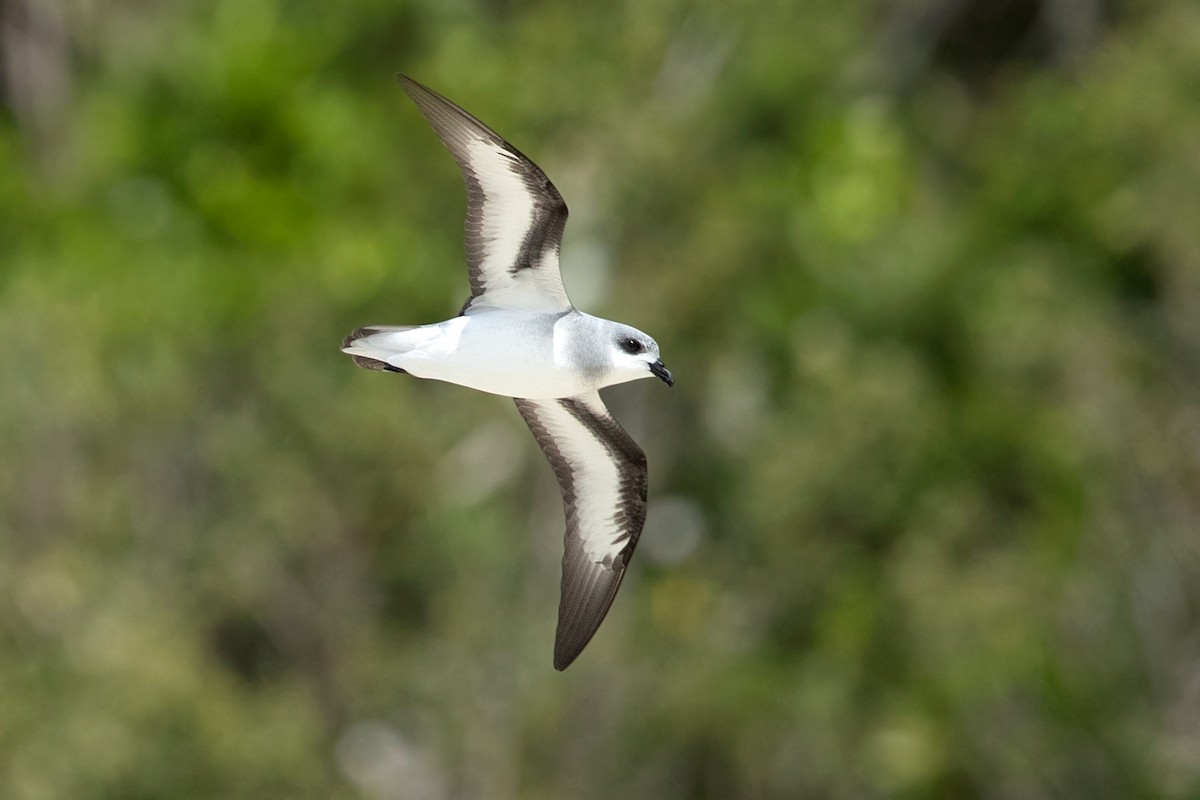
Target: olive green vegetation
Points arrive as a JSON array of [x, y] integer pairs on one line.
[[925, 500]]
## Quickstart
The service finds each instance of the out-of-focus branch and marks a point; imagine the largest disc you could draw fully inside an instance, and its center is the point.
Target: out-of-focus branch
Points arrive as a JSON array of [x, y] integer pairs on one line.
[[35, 73], [974, 38]]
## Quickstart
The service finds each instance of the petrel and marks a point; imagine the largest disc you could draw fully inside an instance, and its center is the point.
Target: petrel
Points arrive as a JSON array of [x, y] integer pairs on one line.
[[519, 336]]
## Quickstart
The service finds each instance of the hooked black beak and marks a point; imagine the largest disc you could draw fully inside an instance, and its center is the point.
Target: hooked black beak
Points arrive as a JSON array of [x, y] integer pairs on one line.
[[662, 372]]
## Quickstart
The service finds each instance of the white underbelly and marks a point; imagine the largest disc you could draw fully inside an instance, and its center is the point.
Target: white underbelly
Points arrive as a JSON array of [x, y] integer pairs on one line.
[[513, 384], [496, 356]]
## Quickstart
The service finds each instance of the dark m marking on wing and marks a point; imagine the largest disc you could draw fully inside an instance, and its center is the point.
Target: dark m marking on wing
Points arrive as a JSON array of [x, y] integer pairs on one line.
[[549, 214], [630, 513], [476, 246]]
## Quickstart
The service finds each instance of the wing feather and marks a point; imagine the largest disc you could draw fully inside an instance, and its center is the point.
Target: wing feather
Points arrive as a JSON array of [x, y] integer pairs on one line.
[[602, 474], [515, 216]]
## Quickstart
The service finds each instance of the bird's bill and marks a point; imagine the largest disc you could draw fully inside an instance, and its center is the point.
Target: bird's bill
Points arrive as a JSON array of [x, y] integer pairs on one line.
[[662, 372]]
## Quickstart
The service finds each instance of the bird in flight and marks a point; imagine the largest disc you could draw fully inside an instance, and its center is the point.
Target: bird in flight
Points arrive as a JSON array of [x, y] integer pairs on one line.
[[519, 336]]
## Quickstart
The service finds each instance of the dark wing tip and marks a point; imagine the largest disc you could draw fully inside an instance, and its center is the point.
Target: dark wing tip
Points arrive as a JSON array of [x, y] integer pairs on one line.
[[445, 115], [411, 85], [587, 594]]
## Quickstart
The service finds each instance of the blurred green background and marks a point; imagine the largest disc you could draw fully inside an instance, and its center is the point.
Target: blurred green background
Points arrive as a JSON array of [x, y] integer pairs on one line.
[[925, 501]]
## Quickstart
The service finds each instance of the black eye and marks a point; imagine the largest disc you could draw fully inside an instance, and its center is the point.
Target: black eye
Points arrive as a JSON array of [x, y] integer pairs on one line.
[[631, 346]]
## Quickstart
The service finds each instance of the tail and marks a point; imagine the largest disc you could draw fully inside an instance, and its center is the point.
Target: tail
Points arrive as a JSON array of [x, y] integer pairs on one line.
[[373, 345]]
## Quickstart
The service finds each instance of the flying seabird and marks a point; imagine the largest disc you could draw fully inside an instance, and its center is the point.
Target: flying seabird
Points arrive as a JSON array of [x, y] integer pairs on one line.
[[519, 336]]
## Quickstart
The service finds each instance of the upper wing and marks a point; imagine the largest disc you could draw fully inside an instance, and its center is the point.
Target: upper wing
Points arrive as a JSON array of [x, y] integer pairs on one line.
[[602, 473], [515, 216]]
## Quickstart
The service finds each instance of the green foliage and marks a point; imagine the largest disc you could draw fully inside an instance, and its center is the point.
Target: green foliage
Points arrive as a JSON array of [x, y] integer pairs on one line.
[[923, 502]]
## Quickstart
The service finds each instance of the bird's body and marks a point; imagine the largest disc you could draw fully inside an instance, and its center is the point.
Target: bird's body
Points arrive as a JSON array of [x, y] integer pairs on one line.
[[527, 354], [519, 336]]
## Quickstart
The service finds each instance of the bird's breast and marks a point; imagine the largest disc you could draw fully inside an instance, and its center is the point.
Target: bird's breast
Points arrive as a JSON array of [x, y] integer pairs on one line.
[[517, 355]]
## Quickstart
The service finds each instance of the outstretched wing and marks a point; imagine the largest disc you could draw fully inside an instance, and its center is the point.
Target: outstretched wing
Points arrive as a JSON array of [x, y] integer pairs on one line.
[[515, 216], [602, 473]]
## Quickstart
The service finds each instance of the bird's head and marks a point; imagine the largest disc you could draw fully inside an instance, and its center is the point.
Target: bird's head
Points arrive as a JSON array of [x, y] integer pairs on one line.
[[635, 355]]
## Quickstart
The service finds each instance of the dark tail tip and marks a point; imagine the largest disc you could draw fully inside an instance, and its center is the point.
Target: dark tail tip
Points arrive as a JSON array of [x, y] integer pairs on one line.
[[358, 333], [376, 364]]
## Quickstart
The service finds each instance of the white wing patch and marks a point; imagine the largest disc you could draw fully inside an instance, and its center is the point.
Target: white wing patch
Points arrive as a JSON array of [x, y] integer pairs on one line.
[[507, 211], [596, 484]]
